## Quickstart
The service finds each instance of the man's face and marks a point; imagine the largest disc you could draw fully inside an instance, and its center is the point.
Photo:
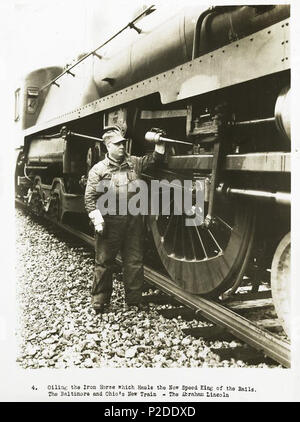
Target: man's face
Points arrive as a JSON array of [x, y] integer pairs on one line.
[[116, 151]]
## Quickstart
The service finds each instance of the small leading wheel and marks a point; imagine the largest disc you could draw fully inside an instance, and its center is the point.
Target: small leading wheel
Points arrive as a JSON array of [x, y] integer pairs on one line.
[[37, 200], [203, 260], [281, 282], [54, 211]]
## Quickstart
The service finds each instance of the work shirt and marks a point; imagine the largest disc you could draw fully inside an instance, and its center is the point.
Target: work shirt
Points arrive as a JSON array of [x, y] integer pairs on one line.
[[117, 175]]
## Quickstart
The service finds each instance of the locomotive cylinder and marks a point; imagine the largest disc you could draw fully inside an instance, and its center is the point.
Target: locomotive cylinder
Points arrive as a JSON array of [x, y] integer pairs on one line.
[[46, 151]]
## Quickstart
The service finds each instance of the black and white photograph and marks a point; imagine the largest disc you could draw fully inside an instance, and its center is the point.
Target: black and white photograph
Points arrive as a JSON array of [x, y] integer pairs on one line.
[[149, 169]]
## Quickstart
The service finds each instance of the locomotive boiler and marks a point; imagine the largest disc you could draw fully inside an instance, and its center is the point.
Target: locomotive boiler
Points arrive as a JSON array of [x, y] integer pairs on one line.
[[217, 78]]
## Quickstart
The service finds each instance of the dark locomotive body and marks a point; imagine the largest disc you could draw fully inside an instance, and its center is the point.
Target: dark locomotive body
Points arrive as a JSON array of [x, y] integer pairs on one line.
[[218, 78]]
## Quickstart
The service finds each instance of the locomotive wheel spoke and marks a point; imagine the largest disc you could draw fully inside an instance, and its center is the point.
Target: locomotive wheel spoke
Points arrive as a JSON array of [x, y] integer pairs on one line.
[[220, 249], [200, 239], [281, 282], [168, 226], [205, 260], [192, 243], [224, 222], [184, 245], [175, 236], [161, 219]]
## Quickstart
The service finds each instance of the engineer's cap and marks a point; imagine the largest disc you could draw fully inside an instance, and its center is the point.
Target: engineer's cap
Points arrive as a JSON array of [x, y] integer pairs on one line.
[[112, 134]]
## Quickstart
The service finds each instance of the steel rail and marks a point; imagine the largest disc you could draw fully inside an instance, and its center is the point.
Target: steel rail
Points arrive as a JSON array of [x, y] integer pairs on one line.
[[240, 327]]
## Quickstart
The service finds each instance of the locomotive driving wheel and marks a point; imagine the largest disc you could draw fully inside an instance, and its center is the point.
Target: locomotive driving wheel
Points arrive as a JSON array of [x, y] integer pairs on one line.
[[206, 260], [280, 282]]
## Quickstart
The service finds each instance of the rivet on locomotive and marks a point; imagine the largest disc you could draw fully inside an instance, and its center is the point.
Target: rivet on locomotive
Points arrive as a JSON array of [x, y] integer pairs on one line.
[[217, 79]]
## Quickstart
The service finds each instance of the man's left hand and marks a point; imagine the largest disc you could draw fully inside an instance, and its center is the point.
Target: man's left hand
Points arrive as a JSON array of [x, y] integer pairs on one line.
[[160, 147]]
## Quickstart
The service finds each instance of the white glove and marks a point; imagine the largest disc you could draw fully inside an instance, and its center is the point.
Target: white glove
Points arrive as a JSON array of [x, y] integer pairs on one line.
[[96, 217], [160, 147], [99, 228]]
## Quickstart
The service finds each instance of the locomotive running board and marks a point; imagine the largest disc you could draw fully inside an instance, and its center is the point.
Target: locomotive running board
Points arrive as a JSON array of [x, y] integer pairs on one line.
[[260, 339], [263, 53]]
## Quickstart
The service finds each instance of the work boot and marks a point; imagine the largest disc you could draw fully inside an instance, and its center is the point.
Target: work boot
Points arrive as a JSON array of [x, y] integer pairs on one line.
[[99, 309], [143, 307]]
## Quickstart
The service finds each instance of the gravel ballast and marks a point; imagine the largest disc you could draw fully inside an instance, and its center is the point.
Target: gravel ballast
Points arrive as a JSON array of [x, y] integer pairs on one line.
[[57, 328]]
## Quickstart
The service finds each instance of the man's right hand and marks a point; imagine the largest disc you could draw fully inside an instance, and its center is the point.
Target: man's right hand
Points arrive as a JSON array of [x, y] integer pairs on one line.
[[97, 220], [99, 228]]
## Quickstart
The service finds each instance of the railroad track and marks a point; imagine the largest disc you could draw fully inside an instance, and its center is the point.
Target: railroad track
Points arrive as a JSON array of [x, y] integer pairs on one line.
[[222, 315]]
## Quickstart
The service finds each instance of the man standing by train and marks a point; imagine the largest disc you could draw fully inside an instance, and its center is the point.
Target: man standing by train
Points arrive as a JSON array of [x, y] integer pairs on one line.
[[117, 233]]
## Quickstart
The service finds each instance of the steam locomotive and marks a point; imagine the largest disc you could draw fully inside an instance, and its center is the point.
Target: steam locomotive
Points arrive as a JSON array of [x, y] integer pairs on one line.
[[218, 78]]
